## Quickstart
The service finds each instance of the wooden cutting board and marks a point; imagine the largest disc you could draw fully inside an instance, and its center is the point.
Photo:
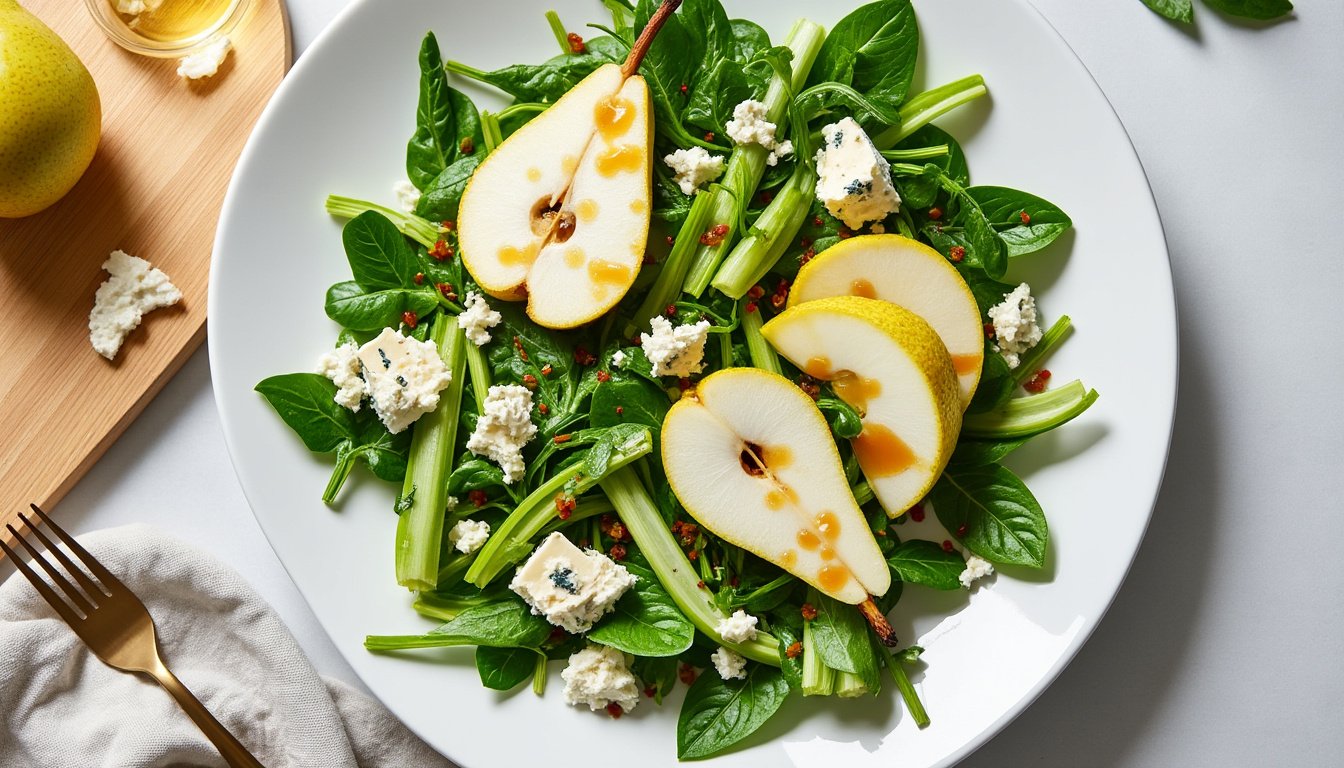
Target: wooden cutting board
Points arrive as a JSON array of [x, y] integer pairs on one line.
[[154, 190]]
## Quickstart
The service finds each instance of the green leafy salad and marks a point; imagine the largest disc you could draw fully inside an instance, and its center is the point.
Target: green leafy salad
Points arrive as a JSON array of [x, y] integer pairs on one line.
[[688, 361]]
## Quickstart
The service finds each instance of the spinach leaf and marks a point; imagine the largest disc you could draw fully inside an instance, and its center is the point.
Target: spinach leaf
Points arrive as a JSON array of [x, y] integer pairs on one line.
[[645, 621], [749, 39], [953, 164], [719, 713], [791, 667], [844, 420], [503, 623], [444, 117], [534, 350], [873, 50], [640, 402], [503, 669], [996, 383], [1253, 9], [306, 403], [977, 453], [385, 454], [1024, 221], [356, 309], [442, 195], [720, 90], [1176, 10], [1004, 522], [474, 474], [987, 291], [658, 673], [841, 640], [984, 247], [378, 253], [927, 563]]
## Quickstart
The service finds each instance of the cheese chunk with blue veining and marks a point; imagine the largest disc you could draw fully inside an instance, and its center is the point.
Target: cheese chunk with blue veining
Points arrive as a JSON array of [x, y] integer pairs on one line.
[[853, 179], [404, 377], [571, 587]]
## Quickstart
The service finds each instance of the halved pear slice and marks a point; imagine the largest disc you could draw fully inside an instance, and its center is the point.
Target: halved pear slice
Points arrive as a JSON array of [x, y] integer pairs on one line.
[[893, 368], [751, 458], [911, 274], [559, 212]]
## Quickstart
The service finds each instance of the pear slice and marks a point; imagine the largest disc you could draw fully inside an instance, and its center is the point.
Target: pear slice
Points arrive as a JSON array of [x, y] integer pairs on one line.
[[893, 368], [558, 214], [911, 274], [751, 458]]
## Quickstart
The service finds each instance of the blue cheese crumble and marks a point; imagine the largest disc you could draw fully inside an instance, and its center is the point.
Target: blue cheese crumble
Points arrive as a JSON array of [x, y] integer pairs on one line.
[[976, 568], [467, 536], [729, 664], [408, 197], [505, 426], [853, 179], [599, 676], [402, 377], [749, 126], [132, 290], [678, 351], [477, 319], [738, 628], [1015, 327], [572, 588], [693, 168]]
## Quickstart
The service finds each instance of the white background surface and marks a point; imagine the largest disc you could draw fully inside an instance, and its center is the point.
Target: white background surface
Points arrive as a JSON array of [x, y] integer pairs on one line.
[[1221, 648]]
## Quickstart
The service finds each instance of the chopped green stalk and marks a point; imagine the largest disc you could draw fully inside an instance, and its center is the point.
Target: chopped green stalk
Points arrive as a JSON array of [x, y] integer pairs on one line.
[[539, 676], [406, 642], [465, 70], [674, 570], [918, 153], [746, 164], [769, 236], [479, 371], [511, 542], [420, 528], [1031, 415], [422, 231], [762, 354], [558, 29], [922, 108], [490, 131], [818, 679], [436, 605], [906, 688], [672, 273], [863, 493], [849, 685], [338, 475], [1030, 362], [585, 509]]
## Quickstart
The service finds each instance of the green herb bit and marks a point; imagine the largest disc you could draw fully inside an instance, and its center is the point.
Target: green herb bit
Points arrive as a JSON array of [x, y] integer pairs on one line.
[[420, 230], [1031, 415], [923, 108]]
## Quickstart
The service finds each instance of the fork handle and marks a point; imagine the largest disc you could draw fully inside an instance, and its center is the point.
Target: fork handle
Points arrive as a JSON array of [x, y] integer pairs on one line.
[[232, 750]]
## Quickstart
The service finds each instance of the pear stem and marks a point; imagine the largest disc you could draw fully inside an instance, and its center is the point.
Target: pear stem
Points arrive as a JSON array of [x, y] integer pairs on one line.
[[878, 621], [641, 46]]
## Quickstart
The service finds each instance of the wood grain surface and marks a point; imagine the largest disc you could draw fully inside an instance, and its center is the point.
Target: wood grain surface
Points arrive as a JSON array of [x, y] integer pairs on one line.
[[154, 190]]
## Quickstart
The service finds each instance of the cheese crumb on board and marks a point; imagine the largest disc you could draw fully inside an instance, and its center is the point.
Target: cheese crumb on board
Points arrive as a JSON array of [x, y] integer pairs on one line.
[[205, 62], [134, 289], [738, 628], [341, 365], [407, 195], [853, 179], [467, 536], [1015, 327], [749, 126], [694, 168]]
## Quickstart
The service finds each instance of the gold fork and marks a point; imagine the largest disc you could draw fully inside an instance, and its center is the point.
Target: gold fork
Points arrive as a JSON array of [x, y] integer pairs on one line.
[[112, 621]]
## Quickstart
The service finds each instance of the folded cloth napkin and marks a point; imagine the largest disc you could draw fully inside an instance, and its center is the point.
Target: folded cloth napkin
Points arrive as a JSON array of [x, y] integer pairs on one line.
[[63, 708]]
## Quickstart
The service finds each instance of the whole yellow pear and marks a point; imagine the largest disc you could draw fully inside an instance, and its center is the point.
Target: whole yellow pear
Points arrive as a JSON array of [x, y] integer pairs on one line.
[[50, 114]]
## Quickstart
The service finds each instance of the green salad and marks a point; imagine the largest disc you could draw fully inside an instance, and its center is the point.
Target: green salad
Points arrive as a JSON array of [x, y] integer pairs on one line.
[[684, 364]]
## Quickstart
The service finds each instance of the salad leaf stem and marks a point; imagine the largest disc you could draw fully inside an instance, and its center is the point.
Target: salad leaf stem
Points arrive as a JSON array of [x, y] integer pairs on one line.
[[539, 675], [769, 236], [1030, 361], [423, 231], [762, 354], [818, 679], [672, 273], [446, 607], [558, 29], [907, 689], [1031, 415], [922, 108], [338, 477], [676, 573], [917, 153], [420, 528], [747, 162], [479, 370]]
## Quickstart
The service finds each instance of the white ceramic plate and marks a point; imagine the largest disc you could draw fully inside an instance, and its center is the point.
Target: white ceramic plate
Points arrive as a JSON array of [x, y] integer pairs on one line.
[[339, 124]]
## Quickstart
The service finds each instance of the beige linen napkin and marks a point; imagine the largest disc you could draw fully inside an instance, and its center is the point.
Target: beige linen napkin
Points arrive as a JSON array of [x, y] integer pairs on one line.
[[62, 707]]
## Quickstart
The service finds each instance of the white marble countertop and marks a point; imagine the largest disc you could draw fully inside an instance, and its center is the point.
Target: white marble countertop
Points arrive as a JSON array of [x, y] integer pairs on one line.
[[1221, 647]]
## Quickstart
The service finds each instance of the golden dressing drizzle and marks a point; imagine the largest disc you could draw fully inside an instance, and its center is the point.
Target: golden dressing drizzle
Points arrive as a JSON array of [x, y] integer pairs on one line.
[[510, 256], [829, 525], [775, 499], [534, 174], [639, 206], [881, 453], [862, 288], [614, 116], [788, 559], [573, 258], [964, 364], [776, 456], [855, 389], [808, 539], [832, 577], [608, 272], [620, 159], [586, 210]]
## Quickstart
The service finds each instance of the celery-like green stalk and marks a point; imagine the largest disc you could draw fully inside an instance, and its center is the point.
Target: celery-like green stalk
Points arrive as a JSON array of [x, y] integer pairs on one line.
[[1031, 360], [422, 231], [672, 272], [511, 542], [769, 236], [420, 528], [558, 29], [436, 605], [906, 688], [675, 572], [747, 162], [849, 685], [921, 109], [1031, 415], [479, 371], [818, 679], [762, 354]]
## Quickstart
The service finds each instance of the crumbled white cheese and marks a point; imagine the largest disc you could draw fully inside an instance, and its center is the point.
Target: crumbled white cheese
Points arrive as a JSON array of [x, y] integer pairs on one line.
[[618, 359], [407, 195], [730, 664], [749, 126], [206, 61], [853, 179], [676, 351], [477, 319], [137, 7], [404, 377], [738, 628], [1015, 328], [571, 587], [132, 289], [976, 568], [694, 168], [505, 426], [341, 365], [599, 676], [469, 535]]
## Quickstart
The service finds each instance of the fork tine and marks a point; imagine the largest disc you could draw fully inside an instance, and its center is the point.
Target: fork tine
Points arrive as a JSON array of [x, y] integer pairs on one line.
[[90, 586], [71, 592], [111, 582], [65, 611]]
